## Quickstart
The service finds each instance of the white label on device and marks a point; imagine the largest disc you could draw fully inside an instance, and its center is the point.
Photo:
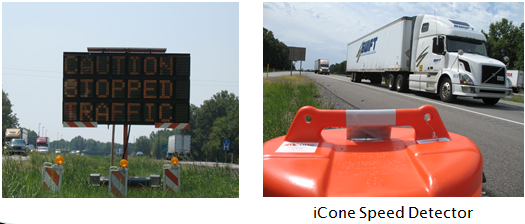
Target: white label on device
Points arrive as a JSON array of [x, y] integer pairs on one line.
[[301, 147]]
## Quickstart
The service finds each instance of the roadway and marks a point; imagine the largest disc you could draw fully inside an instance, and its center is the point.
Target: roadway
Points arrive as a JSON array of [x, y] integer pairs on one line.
[[497, 130]]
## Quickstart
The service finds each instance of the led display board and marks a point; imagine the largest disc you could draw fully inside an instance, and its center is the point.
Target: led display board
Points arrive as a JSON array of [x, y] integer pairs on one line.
[[126, 88]]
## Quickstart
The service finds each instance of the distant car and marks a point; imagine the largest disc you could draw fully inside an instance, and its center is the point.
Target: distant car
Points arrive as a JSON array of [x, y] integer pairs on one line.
[[139, 153], [18, 146], [42, 149], [31, 148], [57, 151], [73, 152]]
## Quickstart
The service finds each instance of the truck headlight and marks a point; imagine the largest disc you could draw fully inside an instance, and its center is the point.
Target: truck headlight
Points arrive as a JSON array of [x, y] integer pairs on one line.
[[465, 79]]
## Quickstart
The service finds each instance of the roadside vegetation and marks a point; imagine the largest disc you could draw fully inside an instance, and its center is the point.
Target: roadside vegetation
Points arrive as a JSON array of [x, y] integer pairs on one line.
[[275, 53], [22, 179], [216, 119], [282, 97], [515, 98]]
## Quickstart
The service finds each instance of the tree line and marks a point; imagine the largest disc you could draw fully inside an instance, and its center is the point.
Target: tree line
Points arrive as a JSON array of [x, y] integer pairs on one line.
[[216, 119], [338, 68], [506, 39], [275, 52]]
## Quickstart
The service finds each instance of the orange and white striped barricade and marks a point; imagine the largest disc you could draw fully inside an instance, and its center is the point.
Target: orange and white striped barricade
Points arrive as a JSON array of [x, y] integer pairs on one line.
[[118, 181], [52, 176], [171, 177]]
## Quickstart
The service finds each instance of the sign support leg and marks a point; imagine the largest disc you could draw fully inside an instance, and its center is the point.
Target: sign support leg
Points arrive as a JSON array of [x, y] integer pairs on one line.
[[112, 144], [125, 145], [301, 68]]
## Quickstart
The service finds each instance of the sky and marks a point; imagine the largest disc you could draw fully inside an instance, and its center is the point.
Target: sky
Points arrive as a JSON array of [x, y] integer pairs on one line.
[[35, 35], [325, 29]]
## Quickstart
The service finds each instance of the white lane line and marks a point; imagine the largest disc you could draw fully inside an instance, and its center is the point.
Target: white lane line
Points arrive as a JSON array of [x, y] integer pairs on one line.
[[422, 99]]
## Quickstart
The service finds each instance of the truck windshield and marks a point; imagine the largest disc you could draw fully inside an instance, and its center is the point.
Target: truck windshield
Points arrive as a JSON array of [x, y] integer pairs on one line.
[[466, 44], [324, 65], [18, 142]]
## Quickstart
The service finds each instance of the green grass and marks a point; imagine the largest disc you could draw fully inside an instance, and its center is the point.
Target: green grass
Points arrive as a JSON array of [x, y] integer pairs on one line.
[[274, 70], [515, 98], [283, 96], [23, 178]]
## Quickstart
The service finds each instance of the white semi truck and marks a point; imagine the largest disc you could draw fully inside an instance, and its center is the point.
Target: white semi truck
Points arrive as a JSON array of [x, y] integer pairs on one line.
[[322, 67], [178, 145], [516, 79], [430, 54]]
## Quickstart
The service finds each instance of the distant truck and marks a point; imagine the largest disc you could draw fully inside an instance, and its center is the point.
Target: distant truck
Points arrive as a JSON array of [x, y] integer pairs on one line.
[[178, 145], [516, 79], [14, 133], [42, 142], [322, 67], [430, 54]]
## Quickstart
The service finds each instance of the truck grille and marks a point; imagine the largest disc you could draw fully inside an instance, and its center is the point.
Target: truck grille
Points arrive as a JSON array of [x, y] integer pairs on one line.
[[488, 71]]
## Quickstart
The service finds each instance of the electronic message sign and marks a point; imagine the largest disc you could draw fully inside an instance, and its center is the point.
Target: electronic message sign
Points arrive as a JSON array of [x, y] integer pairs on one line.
[[126, 88]]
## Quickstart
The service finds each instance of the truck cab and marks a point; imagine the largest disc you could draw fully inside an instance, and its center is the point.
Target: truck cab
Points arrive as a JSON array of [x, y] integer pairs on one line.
[[17, 146], [322, 67], [450, 59], [42, 142]]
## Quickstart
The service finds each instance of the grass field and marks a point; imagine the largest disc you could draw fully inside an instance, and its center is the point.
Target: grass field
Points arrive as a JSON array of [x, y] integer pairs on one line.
[[283, 96], [23, 178], [515, 98]]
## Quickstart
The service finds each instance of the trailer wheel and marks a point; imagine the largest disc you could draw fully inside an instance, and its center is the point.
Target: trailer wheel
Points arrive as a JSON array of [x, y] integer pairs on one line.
[[490, 101], [401, 83], [445, 91], [357, 77], [391, 80]]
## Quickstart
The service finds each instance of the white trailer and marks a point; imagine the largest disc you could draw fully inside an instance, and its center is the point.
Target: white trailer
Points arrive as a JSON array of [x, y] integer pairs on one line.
[[516, 79], [178, 145], [430, 54], [15, 133], [322, 66]]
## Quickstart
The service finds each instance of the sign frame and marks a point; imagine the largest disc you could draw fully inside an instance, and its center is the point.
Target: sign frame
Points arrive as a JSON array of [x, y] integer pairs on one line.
[[297, 53], [141, 88]]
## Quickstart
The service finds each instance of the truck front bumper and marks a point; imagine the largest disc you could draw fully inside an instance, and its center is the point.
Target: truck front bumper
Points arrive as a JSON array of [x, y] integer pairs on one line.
[[482, 91]]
